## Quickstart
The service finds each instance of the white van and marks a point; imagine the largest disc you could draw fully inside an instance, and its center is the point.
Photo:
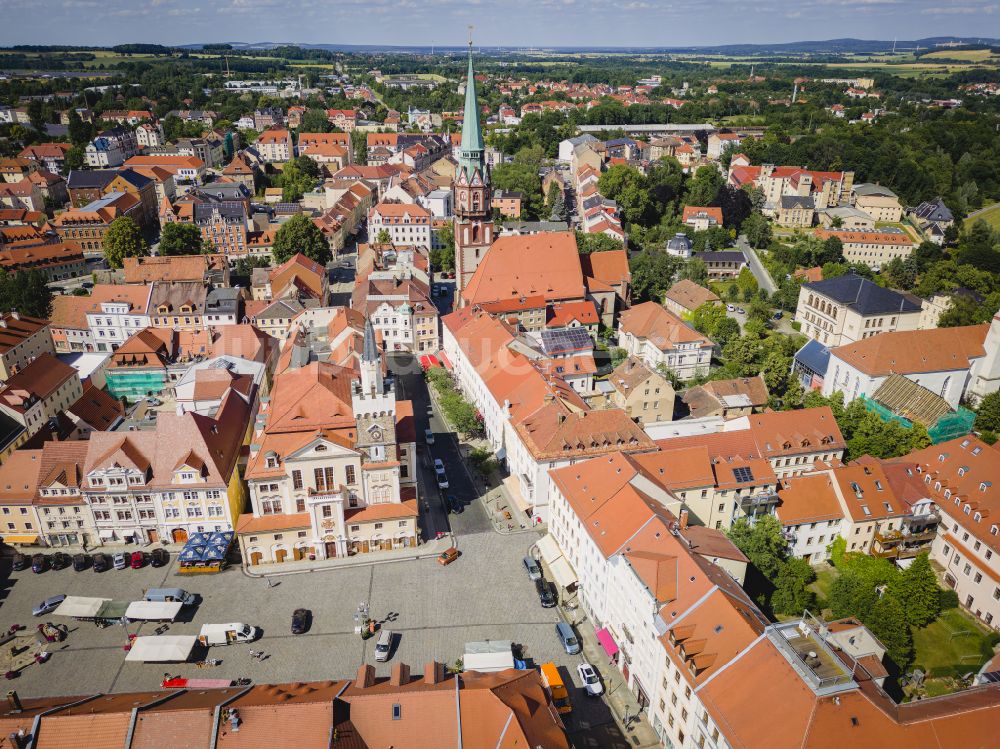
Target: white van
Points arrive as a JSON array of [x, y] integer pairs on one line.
[[225, 634], [383, 646]]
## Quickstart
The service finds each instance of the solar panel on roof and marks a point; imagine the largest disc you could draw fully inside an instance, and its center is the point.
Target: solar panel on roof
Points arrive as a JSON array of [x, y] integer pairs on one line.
[[564, 340], [742, 475]]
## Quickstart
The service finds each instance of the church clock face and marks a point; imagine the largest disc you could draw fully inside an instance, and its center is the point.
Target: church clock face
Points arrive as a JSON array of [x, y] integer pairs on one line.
[[376, 435]]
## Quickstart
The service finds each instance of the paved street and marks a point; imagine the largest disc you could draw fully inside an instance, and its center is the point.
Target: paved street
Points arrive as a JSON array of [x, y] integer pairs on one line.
[[756, 267]]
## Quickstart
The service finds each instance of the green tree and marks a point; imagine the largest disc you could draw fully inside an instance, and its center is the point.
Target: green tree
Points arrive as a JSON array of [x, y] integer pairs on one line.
[[74, 159], [384, 237], [300, 234], [36, 116], [181, 239], [298, 177], [617, 355], [27, 292], [694, 270], [988, 413], [442, 258], [123, 239], [762, 542], [590, 243], [79, 132], [703, 188], [757, 230], [887, 621], [918, 590], [791, 594], [652, 274], [630, 189], [315, 121]]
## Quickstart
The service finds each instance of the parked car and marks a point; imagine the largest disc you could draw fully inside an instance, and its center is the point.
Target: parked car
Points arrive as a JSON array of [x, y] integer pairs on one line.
[[159, 558], [430, 409], [546, 595], [300, 621], [741, 310], [137, 560], [21, 562], [455, 504], [60, 561], [39, 563], [101, 562], [778, 315], [383, 646], [590, 680], [120, 561], [534, 571], [48, 605], [439, 473], [429, 436], [81, 562], [568, 638], [730, 308], [448, 556]]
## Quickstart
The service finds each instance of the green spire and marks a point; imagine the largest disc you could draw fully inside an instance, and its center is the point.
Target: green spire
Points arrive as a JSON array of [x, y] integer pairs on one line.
[[471, 151]]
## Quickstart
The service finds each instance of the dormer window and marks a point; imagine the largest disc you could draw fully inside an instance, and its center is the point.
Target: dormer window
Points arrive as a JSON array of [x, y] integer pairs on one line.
[[977, 517], [967, 509], [984, 486], [994, 530], [962, 470], [271, 460], [976, 450], [947, 493], [937, 486]]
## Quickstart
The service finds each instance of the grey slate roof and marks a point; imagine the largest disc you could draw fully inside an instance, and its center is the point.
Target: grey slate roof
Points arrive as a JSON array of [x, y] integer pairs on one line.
[[797, 201], [864, 296], [869, 188], [86, 179], [933, 210]]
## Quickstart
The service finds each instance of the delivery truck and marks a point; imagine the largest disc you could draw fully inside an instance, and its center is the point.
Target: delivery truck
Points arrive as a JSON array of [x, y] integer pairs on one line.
[[226, 634]]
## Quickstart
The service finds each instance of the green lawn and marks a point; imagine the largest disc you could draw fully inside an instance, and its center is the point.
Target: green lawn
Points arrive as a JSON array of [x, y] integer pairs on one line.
[[991, 216], [953, 642]]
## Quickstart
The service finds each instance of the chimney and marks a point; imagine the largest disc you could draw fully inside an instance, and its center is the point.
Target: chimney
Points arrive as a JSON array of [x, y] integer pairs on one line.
[[400, 675], [15, 314], [13, 701], [433, 672], [365, 677], [684, 520]]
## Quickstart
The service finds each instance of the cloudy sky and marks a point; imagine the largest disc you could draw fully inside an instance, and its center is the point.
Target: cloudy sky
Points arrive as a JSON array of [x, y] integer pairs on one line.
[[507, 23]]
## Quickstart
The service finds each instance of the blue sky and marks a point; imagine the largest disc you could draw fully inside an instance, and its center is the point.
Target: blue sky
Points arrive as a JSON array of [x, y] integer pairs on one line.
[[508, 23]]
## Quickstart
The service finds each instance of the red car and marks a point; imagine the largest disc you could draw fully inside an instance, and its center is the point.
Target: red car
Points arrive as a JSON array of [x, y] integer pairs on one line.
[[137, 560]]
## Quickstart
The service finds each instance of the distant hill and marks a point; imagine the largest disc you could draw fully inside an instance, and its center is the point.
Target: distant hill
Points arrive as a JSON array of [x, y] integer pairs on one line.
[[825, 47]]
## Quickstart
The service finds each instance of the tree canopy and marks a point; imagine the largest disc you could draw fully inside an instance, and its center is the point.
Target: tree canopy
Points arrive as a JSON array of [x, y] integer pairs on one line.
[[178, 238], [300, 234], [123, 239]]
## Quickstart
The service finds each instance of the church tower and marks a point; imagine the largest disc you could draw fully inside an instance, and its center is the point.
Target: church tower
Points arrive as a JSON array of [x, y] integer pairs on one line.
[[471, 191]]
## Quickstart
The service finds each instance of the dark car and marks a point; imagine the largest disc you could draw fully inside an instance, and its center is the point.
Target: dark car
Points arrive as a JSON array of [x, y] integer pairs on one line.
[[102, 562], [300, 621], [60, 561], [455, 504], [546, 595], [39, 563], [159, 558], [21, 562], [81, 562], [137, 560]]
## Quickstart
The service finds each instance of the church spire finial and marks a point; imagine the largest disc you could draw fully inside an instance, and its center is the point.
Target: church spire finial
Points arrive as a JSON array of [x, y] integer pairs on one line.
[[472, 149]]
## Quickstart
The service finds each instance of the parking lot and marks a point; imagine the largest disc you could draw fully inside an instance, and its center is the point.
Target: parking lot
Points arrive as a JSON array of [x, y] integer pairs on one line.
[[435, 610]]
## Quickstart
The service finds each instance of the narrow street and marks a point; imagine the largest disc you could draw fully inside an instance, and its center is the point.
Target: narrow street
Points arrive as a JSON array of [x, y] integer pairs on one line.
[[764, 279]]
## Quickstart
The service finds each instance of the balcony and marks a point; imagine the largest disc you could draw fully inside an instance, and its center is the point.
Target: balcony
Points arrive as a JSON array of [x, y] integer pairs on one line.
[[757, 502]]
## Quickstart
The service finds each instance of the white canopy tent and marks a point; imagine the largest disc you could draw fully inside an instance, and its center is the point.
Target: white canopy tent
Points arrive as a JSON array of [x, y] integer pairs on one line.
[[556, 562], [160, 611], [80, 607], [489, 655], [161, 649]]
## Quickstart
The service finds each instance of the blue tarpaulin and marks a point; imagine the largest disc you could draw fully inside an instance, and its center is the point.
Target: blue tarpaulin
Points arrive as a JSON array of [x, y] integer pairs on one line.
[[207, 547]]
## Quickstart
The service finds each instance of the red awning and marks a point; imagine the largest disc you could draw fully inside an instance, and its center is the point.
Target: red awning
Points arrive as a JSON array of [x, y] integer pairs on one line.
[[444, 361], [607, 642]]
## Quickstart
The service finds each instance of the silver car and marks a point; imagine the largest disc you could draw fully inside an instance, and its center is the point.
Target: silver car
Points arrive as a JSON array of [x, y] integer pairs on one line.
[[534, 571], [48, 605]]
